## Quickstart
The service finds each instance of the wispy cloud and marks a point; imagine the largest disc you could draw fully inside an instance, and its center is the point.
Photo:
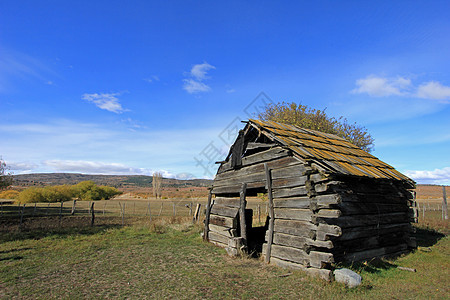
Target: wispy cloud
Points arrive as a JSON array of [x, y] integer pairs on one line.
[[436, 176], [377, 86], [22, 167], [433, 90], [92, 167], [197, 76], [105, 101], [152, 79], [19, 66], [192, 86]]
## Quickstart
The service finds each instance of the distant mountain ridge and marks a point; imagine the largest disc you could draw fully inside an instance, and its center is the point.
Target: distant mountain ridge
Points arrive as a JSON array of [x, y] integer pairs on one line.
[[43, 179]]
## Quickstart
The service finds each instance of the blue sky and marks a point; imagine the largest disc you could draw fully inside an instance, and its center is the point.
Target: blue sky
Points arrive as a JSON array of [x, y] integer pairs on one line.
[[133, 87]]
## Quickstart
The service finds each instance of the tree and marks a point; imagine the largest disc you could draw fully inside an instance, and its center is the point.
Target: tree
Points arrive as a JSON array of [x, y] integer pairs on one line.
[[310, 118], [157, 184], [6, 178]]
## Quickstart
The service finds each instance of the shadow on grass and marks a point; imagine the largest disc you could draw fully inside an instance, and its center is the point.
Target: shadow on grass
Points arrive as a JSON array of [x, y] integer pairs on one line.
[[48, 227], [427, 237]]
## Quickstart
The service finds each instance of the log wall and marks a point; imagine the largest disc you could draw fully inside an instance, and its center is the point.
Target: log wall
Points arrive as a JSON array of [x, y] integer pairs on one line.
[[318, 219]]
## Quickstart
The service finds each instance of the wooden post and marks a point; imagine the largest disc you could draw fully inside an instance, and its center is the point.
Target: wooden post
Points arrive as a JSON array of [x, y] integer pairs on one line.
[[259, 214], [34, 210], [160, 210], [190, 209], [74, 204], [174, 211], [208, 212], [149, 211], [444, 204], [134, 208], [60, 212], [48, 208], [92, 214], [104, 207], [123, 214], [1, 208], [423, 211], [271, 212], [21, 215], [242, 205], [197, 211]]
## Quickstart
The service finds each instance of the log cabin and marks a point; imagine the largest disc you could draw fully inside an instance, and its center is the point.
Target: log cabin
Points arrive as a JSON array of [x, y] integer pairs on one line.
[[328, 200]]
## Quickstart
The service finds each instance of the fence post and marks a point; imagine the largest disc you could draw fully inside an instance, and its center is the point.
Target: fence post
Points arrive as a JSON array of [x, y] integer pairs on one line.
[[1, 208], [73, 207], [92, 214], [174, 211], [190, 209], [444, 204], [21, 215], [197, 211], [160, 211], [60, 212], [48, 208], [149, 212]]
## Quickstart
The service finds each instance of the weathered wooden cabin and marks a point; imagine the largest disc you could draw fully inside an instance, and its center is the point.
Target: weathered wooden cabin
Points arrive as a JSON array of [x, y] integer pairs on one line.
[[329, 201]]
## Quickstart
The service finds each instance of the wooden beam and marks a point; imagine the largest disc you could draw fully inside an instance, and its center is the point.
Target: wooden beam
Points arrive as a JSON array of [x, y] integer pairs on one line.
[[208, 212], [271, 213], [242, 222]]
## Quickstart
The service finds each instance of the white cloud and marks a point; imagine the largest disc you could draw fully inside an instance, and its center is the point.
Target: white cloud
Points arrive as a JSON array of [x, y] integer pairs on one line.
[[105, 101], [400, 86], [380, 87], [152, 78], [433, 90], [231, 91], [437, 176], [92, 167], [192, 86], [199, 71], [22, 167], [197, 75]]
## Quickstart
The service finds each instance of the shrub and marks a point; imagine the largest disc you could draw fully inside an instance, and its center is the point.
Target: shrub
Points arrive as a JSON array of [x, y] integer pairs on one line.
[[9, 194]]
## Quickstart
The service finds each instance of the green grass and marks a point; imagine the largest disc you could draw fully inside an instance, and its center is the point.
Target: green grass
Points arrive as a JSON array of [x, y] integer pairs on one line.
[[169, 260]]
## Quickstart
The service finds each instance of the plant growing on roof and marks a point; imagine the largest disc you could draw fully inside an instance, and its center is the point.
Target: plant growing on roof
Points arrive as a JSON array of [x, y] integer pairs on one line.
[[316, 119]]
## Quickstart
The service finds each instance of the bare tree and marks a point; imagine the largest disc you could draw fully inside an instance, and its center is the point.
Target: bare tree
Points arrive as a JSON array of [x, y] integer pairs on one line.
[[157, 184], [5, 176]]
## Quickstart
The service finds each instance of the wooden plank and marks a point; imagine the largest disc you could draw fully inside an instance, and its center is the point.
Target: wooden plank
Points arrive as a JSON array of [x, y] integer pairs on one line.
[[294, 202], [371, 242], [242, 223], [328, 213], [214, 236], [271, 213], [290, 254], [225, 211], [289, 182], [257, 146], [294, 170], [223, 221], [320, 259], [293, 214], [235, 189], [294, 241], [290, 192], [360, 232], [358, 208], [227, 201], [207, 214], [249, 178], [373, 253], [327, 200], [262, 156], [364, 220], [314, 272], [293, 227], [229, 232], [276, 164]]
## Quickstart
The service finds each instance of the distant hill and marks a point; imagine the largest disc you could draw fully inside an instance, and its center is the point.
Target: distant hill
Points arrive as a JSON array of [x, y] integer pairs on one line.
[[43, 179]]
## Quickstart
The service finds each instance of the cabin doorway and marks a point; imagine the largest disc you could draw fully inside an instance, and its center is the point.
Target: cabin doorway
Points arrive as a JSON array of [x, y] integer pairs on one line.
[[256, 219]]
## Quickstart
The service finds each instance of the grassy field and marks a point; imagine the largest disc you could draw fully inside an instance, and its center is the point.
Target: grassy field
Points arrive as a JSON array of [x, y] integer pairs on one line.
[[165, 257], [168, 259]]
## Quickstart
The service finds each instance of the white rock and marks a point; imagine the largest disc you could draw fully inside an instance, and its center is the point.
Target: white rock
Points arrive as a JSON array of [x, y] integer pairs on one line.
[[347, 277]]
